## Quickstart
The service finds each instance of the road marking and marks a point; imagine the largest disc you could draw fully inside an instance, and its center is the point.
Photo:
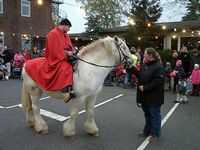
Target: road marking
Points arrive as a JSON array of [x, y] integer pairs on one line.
[[19, 105], [52, 115], [169, 114], [111, 99], [146, 141], [59, 117], [11, 106]]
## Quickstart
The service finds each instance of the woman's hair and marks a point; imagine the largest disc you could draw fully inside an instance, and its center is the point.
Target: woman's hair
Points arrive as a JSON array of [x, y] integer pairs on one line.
[[152, 51]]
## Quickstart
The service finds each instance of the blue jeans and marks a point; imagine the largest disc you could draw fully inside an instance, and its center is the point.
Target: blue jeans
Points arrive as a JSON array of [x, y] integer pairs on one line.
[[127, 80], [152, 120]]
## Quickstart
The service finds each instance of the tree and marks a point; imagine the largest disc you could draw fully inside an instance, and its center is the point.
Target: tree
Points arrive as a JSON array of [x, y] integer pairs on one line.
[[102, 14], [144, 13], [93, 27], [193, 8]]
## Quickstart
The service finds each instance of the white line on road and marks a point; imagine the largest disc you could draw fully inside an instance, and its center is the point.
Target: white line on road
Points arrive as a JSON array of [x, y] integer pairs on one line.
[[63, 118], [13, 106], [146, 141]]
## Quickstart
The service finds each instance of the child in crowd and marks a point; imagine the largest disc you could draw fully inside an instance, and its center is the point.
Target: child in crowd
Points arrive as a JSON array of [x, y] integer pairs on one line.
[[180, 75], [18, 60], [168, 70], [195, 77]]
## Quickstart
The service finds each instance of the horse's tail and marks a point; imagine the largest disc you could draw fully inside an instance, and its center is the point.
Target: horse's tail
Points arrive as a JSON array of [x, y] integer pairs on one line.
[[26, 99]]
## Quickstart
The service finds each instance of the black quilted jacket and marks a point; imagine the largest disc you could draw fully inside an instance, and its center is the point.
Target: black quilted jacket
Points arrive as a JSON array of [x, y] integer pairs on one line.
[[152, 77]]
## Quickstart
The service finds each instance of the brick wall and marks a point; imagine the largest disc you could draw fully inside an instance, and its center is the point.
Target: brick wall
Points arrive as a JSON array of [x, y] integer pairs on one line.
[[13, 25]]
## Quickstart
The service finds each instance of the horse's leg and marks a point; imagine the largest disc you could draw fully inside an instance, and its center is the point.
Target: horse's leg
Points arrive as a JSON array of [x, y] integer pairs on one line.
[[27, 105], [40, 124], [90, 124], [69, 126]]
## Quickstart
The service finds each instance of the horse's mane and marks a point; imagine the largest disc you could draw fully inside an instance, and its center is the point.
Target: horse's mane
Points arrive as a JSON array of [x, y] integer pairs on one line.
[[93, 46]]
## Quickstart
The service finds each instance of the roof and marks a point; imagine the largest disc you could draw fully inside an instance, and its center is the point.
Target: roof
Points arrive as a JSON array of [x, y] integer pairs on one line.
[[187, 24], [170, 25]]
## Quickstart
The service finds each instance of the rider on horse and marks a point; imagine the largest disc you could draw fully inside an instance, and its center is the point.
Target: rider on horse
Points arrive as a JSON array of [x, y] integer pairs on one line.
[[53, 72]]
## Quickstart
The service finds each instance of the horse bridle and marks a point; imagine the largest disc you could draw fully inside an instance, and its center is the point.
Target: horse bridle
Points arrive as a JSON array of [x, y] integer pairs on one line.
[[121, 53]]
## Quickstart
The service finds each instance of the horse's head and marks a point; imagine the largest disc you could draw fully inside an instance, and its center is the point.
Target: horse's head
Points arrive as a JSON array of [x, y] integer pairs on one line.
[[122, 52]]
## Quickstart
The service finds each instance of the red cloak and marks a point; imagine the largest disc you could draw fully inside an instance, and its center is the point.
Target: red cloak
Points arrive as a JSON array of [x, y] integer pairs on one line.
[[52, 72]]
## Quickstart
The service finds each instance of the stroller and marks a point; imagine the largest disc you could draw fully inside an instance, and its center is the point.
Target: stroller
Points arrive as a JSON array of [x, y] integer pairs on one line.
[[17, 68]]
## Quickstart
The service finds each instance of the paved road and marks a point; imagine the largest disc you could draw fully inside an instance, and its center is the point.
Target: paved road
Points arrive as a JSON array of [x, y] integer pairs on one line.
[[119, 121]]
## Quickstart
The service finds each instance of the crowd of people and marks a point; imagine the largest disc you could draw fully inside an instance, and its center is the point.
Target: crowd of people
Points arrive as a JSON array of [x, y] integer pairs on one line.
[[184, 65], [11, 62]]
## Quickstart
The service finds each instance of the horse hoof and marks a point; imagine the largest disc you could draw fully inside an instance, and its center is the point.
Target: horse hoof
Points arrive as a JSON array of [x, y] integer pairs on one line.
[[41, 131], [94, 134], [44, 132]]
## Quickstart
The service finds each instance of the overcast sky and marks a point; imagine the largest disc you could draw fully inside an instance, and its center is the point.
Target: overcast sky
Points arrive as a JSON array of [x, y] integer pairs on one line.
[[171, 13]]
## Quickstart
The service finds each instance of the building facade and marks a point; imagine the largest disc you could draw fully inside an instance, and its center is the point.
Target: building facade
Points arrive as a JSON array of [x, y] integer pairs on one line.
[[25, 23]]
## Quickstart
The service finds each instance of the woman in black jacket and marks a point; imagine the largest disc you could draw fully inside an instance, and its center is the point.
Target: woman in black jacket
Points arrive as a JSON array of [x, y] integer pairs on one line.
[[150, 93]]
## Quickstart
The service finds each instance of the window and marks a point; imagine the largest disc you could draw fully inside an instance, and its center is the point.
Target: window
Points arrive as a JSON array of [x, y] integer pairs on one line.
[[26, 8], [1, 6], [1, 38], [26, 41]]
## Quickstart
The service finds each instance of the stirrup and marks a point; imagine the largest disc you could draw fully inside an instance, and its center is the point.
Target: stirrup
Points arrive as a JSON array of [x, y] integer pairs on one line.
[[68, 96]]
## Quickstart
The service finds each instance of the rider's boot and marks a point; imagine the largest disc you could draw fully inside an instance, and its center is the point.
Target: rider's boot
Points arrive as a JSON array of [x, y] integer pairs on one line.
[[68, 93]]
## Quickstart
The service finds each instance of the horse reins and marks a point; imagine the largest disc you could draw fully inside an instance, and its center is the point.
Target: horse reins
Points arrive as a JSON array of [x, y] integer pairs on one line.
[[122, 61]]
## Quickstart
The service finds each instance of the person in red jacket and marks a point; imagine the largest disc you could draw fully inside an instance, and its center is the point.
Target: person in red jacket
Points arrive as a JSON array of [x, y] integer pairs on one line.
[[195, 77], [53, 72]]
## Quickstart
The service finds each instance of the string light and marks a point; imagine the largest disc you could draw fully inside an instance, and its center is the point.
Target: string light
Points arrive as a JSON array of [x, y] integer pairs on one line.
[[164, 27], [131, 21], [149, 24], [40, 2], [174, 36]]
